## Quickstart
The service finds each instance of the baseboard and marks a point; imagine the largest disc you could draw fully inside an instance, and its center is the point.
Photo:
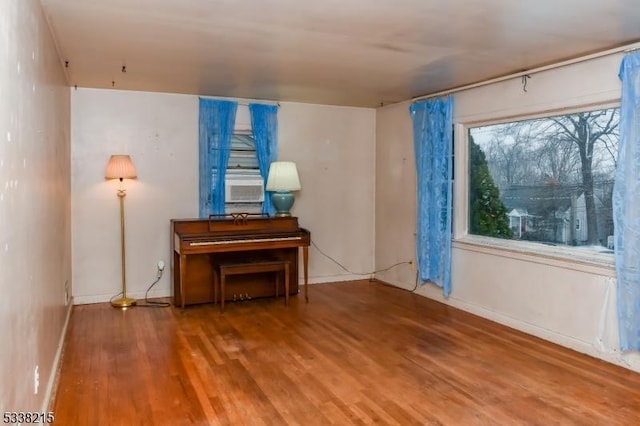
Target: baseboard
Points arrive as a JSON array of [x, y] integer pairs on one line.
[[629, 361], [334, 278], [587, 348], [52, 382], [103, 298]]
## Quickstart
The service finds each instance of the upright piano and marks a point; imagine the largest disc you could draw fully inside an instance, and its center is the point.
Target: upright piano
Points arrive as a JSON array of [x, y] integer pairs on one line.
[[199, 244]]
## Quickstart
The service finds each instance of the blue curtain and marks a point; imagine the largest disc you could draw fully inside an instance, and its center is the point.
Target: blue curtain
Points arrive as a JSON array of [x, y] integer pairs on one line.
[[626, 205], [217, 120], [432, 140], [264, 122]]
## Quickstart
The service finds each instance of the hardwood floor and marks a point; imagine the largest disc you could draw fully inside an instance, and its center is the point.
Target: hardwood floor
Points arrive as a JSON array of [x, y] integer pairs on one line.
[[357, 353]]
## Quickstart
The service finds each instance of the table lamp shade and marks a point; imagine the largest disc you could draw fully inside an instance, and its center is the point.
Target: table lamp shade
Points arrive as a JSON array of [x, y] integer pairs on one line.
[[283, 176]]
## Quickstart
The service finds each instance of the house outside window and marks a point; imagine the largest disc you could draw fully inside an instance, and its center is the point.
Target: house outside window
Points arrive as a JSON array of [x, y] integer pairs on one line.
[[546, 180]]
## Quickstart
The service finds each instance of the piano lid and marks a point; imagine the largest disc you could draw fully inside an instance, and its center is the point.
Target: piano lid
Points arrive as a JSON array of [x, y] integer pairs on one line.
[[236, 226]]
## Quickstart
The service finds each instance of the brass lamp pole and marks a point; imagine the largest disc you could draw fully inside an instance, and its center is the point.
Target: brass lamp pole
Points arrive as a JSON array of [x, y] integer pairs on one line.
[[121, 167]]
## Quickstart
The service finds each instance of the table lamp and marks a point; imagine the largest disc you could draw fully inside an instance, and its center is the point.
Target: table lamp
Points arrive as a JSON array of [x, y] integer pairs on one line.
[[282, 180]]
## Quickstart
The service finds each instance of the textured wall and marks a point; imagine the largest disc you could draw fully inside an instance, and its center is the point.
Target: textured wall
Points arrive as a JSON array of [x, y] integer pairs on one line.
[[34, 203], [569, 303], [333, 147]]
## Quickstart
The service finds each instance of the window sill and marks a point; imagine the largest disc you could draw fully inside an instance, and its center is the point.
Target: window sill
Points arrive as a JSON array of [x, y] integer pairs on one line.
[[577, 259]]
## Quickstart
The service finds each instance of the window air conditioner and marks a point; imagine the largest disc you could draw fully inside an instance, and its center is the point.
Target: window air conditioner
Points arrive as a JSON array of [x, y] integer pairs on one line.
[[240, 189]]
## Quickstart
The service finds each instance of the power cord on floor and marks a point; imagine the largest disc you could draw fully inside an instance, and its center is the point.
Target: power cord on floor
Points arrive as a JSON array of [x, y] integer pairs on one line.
[[357, 273], [415, 286], [150, 303], [114, 296]]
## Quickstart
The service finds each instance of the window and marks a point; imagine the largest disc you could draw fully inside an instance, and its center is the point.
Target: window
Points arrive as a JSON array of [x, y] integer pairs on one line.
[[244, 186], [242, 158], [547, 180]]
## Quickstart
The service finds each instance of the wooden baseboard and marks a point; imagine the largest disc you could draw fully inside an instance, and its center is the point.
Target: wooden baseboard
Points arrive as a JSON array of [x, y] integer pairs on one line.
[[52, 382]]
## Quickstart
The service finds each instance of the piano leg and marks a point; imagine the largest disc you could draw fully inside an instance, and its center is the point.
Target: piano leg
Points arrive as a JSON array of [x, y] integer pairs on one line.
[[305, 262], [183, 276]]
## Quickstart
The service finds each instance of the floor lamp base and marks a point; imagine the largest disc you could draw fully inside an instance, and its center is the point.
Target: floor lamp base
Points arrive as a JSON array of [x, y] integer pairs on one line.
[[123, 302]]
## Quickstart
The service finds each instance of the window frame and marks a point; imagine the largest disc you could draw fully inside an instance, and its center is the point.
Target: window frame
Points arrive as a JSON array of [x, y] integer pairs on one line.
[[562, 256]]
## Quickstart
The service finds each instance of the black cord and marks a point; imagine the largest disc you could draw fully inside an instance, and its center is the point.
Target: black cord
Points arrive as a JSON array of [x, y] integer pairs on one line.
[[150, 303], [113, 297], [356, 273], [524, 81], [415, 286]]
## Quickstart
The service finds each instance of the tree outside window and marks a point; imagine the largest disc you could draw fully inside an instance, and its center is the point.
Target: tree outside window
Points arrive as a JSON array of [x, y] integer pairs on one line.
[[548, 180]]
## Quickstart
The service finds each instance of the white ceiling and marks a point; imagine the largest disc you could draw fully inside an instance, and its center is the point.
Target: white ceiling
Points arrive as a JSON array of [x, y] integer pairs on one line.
[[338, 52]]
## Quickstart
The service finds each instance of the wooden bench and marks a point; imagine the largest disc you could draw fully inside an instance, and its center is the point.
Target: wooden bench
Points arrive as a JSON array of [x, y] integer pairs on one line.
[[223, 270]]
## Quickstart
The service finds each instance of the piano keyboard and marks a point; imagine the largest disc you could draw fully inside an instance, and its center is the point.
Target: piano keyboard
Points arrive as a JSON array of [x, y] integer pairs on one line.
[[241, 241]]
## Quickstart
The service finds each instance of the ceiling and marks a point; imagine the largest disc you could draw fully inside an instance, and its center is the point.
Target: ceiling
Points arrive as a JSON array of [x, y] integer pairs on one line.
[[337, 52]]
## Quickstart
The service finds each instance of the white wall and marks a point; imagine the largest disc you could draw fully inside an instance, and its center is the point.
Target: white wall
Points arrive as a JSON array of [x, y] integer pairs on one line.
[[566, 302], [334, 150], [35, 231], [332, 146], [160, 132]]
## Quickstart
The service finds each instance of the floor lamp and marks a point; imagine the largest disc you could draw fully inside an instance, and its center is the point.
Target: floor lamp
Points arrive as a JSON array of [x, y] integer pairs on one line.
[[121, 167]]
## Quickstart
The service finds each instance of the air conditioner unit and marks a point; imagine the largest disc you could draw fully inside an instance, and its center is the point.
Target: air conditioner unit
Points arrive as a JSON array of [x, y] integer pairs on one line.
[[239, 189]]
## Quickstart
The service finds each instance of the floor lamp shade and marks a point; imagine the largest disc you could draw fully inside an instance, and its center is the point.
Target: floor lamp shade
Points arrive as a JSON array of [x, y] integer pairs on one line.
[[121, 167], [282, 180]]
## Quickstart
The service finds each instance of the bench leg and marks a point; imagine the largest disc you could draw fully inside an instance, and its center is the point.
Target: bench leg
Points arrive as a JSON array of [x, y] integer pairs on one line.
[[216, 283], [277, 280], [223, 279]]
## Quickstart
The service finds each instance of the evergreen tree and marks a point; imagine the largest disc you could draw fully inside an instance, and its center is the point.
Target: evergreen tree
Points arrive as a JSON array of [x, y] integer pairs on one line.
[[488, 214]]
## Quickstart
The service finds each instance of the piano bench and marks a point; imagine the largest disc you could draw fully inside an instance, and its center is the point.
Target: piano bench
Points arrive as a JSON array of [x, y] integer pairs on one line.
[[222, 270]]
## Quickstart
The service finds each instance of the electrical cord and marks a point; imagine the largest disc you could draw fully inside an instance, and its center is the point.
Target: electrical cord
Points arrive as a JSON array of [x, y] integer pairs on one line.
[[415, 286], [150, 303], [356, 273], [113, 297]]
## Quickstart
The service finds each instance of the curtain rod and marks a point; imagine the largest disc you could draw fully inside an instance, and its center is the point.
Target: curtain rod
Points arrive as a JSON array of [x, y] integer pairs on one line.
[[243, 101], [626, 48]]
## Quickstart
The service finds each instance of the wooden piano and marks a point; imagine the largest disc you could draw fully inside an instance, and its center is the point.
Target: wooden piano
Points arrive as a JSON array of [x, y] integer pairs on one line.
[[199, 244]]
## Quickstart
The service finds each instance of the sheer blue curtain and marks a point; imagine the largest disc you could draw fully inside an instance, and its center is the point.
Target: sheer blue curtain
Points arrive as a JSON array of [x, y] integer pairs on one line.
[[264, 122], [432, 140], [626, 205], [217, 120]]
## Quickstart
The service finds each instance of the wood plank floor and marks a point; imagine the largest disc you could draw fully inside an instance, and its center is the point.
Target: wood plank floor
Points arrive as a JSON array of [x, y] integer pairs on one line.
[[357, 353]]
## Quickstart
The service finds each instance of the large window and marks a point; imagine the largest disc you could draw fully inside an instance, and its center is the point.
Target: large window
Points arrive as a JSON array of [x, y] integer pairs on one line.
[[547, 180]]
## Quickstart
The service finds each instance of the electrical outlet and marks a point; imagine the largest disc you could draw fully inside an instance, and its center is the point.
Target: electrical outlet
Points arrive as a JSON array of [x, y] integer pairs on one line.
[[36, 380], [66, 293], [160, 269]]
